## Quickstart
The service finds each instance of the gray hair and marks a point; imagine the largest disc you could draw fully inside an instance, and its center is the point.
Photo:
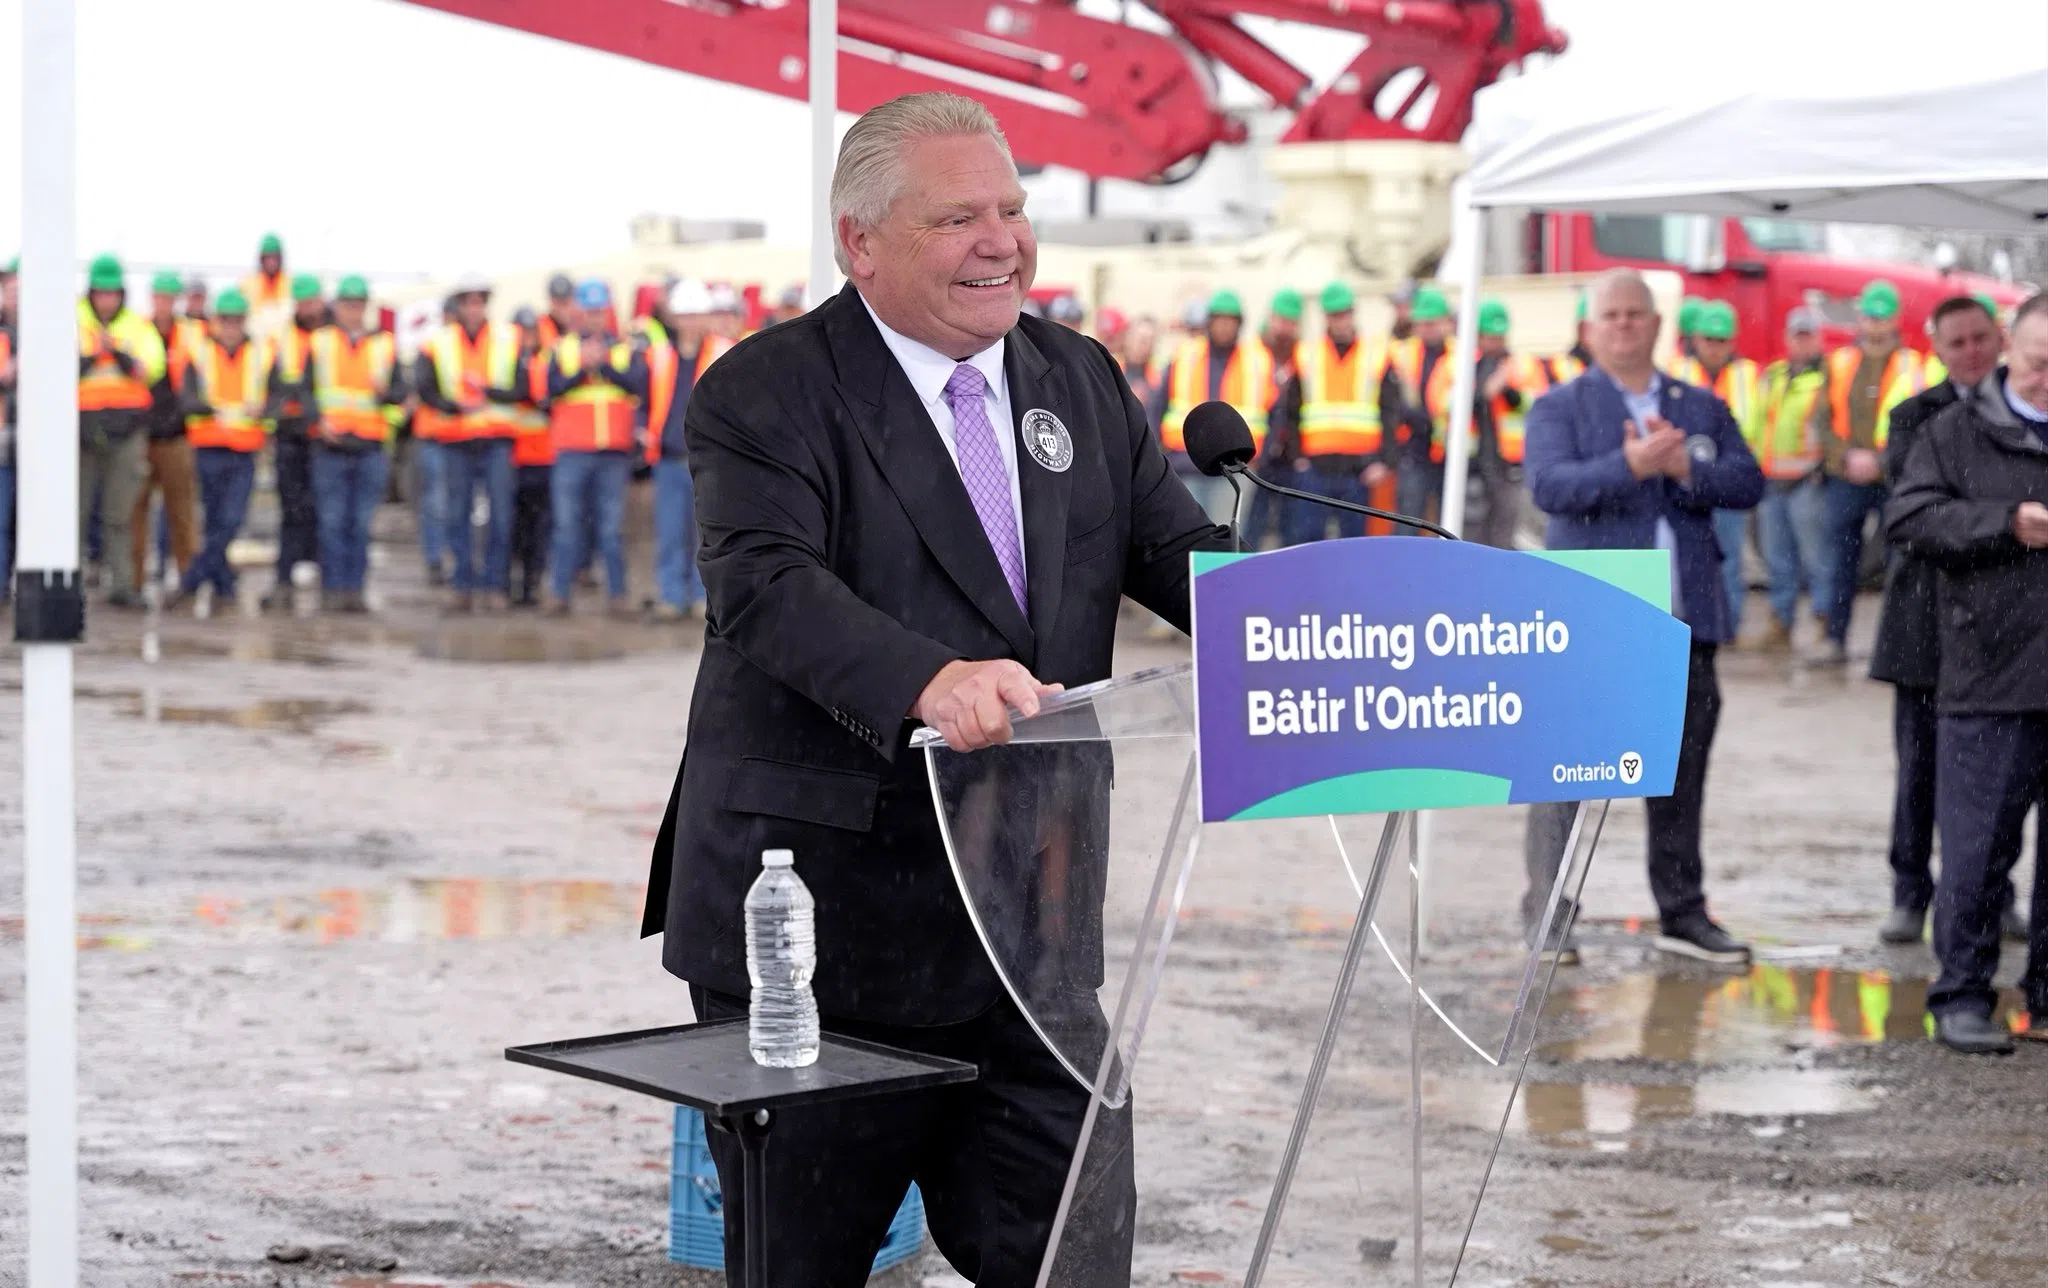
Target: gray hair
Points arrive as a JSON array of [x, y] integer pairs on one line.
[[869, 175], [1608, 282]]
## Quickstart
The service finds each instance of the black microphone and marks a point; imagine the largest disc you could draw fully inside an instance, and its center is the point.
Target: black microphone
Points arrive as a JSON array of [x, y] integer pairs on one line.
[[1219, 442]]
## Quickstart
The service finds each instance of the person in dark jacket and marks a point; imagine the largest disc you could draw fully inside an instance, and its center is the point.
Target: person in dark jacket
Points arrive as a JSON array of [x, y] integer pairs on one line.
[[1973, 500], [1908, 655]]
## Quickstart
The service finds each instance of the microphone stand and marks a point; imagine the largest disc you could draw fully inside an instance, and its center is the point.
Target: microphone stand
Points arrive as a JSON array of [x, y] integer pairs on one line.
[[1233, 470]]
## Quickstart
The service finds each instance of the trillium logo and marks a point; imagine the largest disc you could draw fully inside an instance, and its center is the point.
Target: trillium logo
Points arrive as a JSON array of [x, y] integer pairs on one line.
[[1631, 768]]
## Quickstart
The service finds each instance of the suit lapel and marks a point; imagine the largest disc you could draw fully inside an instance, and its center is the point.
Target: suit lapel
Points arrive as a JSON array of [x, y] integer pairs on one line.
[[1036, 384], [913, 460]]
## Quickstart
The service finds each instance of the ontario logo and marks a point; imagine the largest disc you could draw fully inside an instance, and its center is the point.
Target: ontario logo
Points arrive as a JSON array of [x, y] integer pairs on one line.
[[1627, 767]]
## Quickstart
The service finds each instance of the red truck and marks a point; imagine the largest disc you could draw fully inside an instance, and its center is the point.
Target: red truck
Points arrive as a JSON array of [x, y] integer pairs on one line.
[[1764, 267]]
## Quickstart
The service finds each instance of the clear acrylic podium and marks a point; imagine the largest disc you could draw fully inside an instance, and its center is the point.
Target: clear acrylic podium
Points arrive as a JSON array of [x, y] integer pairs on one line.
[[1076, 848]]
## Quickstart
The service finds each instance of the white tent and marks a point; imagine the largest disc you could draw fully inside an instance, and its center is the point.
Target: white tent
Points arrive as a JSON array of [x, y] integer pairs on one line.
[[1904, 135]]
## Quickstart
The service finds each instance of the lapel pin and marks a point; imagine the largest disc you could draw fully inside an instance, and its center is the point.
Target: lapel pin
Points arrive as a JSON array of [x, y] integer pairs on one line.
[[1047, 440]]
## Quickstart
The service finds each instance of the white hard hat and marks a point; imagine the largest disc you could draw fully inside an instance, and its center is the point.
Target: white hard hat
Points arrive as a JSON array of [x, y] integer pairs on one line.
[[688, 297], [472, 284], [724, 299]]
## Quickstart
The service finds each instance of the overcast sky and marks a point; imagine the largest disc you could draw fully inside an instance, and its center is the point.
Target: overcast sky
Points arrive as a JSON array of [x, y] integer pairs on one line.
[[379, 136]]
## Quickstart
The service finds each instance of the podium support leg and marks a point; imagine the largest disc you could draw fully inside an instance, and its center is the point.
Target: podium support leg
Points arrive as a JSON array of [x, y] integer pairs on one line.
[[752, 1129], [1319, 1066]]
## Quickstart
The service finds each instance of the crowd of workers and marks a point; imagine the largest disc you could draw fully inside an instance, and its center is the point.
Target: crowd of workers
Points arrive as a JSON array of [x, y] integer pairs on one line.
[[548, 416]]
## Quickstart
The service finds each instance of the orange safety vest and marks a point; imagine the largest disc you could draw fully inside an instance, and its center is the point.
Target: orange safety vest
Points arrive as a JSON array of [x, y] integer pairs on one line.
[[1247, 386], [1563, 368], [294, 355], [662, 369], [237, 384], [596, 416], [465, 368], [104, 386], [1905, 374], [1340, 396], [1405, 356], [1739, 385], [1529, 378], [532, 445], [266, 292], [350, 378]]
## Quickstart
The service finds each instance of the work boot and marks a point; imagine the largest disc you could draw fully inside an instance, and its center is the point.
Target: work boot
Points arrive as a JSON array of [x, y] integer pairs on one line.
[[1903, 926], [2013, 925], [667, 612], [354, 602], [1777, 638], [460, 602], [1699, 938], [493, 603], [437, 577], [1830, 653], [123, 599], [556, 607], [619, 609], [1972, 1034], [278, 599]]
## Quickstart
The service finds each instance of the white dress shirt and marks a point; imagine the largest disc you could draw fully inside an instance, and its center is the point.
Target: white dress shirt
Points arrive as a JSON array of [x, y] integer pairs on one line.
[[929, 370], [1641, 408]]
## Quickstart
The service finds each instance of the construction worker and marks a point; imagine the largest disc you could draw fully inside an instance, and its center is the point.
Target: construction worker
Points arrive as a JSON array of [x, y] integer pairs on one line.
[[470, 373], [1689, 314], [268, 290], [298, 519], [596, 382], [10, 288], [120, 360], [1568, 365], [226, 397], [790, 304], [197, 313], [1508, 383], [356, 390], [728, 313], [1066, 310], [533, 460], [1217, 363], [1789, 519], [430, 466], [560, 319], [170, 465], [1402, 301], [1282, 337], [1326, 422], [672, 373], [1865, 381], [1737, 382], [1422, 368]]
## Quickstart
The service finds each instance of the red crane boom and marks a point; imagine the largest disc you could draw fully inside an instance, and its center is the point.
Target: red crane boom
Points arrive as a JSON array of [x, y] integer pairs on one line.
[[1105, 98]]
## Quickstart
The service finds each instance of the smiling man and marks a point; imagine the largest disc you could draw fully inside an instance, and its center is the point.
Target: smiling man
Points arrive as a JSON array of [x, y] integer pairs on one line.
[[915, 506]]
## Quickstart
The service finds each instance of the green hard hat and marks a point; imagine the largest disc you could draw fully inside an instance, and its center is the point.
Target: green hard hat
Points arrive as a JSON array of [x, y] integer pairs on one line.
[[1689, 310], [1337, 298], [11, 267], [1493, 317], [105, 274], [1990, 304], [231, 303], [305, 286], [1429, 305], [271, 244], [1579, 309], [1225, 303], [352, 287], [1879, 300], [1717, 321], [1287, 304], [166, 283]]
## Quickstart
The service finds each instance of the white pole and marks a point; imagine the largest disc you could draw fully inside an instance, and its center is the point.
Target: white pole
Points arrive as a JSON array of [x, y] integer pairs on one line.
[[824, 73], [1465, 231], [48, 528]]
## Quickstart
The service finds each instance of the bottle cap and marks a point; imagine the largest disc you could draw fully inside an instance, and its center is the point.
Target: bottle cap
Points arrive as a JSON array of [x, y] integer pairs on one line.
[[778, 858]]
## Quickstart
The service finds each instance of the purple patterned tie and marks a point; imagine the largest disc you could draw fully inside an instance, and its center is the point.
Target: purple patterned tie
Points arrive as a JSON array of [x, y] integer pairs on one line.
[[981, 469]]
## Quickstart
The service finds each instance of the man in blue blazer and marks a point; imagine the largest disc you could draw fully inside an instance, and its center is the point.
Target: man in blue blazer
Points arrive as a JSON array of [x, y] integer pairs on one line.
[[1626, 458]]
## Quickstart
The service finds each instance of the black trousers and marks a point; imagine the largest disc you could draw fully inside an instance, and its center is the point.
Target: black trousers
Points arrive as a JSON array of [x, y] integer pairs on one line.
[[532, 531], [298, 523], [1993, 768], [989, 1157], [1913, 737], [1676, 868]]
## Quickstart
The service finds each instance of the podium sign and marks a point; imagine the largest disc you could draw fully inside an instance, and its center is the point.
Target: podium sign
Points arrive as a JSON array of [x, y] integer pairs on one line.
[[1400, 673]]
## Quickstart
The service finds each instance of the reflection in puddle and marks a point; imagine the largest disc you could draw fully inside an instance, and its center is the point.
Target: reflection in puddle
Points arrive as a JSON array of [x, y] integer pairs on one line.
[[244, 648], [277, 715], [500, 642]]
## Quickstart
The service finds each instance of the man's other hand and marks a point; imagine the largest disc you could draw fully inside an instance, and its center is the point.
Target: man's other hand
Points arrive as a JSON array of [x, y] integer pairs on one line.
[[2029, 524], [1861, 465], [1654, 454], [969, 702]]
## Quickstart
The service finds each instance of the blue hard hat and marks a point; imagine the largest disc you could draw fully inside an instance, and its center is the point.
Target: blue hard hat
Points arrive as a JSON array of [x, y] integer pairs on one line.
[[593, 294]]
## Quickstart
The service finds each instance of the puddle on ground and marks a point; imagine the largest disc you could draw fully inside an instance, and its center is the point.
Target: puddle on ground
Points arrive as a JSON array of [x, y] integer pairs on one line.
[[413, 911], [246, 648], [270, 715], [502, 642]]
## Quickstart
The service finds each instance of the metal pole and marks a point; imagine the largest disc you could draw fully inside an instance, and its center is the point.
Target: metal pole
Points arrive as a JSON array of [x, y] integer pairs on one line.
[[824, 83], [48, 621], [1466, 232]]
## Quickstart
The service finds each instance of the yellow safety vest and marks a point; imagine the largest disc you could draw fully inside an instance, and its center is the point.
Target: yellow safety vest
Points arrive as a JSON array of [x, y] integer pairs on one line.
[[1740, 385], [1786, 448], [1340, 397], [462, 380]]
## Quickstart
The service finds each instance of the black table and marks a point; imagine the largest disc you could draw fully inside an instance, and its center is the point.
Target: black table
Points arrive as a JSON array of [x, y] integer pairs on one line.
[[709, 1067]]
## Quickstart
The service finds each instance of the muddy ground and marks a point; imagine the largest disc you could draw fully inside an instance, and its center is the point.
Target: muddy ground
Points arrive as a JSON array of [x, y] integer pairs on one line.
[[330, 868]]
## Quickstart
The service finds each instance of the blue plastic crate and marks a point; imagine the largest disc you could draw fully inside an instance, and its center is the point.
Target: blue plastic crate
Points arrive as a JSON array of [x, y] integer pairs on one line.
[[696, 1220]]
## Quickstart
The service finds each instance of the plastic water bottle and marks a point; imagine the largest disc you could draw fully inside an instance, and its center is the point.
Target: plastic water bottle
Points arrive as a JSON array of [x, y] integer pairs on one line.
[[782, 954]]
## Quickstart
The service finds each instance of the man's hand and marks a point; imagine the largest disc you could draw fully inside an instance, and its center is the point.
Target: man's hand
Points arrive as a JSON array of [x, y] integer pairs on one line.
[[1662, 451], [968, 702], [2030, 525], [1301, 465], [1861, 465], [1374, 474], [1497, 381]]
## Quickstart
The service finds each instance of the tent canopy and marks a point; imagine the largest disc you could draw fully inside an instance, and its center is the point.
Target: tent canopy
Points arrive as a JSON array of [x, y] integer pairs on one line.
[[1895, 139]]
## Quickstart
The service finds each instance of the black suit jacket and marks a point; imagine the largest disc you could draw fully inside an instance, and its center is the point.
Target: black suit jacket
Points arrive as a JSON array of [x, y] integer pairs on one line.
[[844, 565], [1908, 649]]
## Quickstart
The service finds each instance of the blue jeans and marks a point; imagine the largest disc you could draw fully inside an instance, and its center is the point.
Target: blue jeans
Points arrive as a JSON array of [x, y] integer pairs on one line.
[[347, 486], [592, 484], [1304, 521], [1731, 529], [1847, 506], [1789, 525], [6, 532], [1418, 484], [479, 463], [430, 481], [675, 534], [226, 478]]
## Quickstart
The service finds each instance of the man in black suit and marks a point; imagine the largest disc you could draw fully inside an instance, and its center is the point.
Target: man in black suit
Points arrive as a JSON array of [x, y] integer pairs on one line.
[[1908, 654], [914, 506]]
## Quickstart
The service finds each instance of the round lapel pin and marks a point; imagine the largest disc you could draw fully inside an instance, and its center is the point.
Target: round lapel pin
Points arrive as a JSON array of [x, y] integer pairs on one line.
[[1047, 440]]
